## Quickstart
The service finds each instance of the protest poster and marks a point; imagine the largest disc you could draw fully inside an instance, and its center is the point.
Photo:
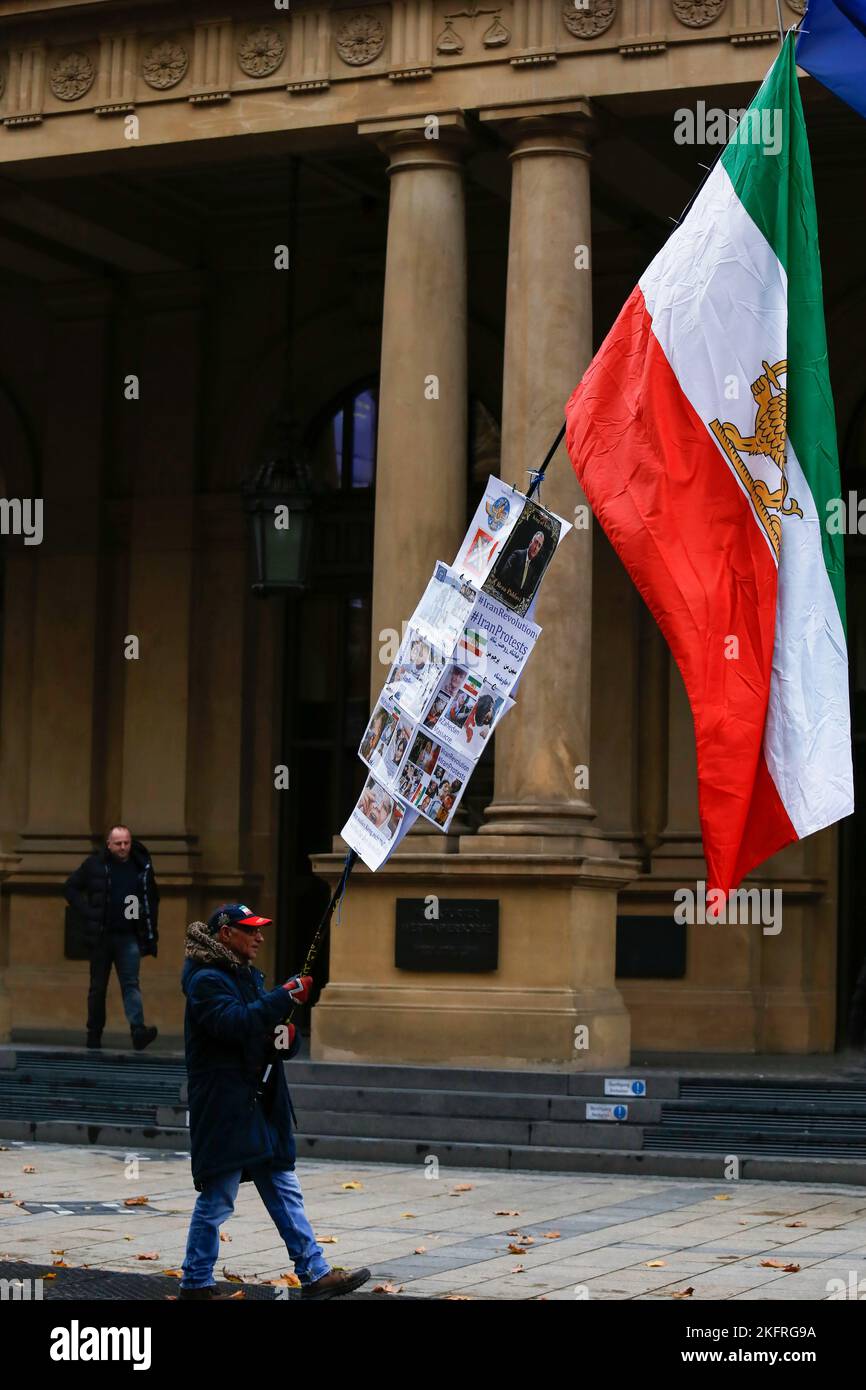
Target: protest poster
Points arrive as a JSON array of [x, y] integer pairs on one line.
[[377, 824], [463, 653], [507, 641], [488, 531], [520, 563], [415, 674], [445, 605], [442, 785]]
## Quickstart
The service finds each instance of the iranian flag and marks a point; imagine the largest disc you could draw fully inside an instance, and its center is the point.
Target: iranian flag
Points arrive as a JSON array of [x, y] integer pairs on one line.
[[703, 436]]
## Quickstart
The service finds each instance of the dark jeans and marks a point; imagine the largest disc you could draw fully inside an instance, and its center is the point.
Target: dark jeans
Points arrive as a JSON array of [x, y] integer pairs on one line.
[[122, 952]]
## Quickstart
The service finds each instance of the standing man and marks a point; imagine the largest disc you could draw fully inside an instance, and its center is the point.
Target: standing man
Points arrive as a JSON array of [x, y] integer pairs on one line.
[[240, 1111], [114, 891]]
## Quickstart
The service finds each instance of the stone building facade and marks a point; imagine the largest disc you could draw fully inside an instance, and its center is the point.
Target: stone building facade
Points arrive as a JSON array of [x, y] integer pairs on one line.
[[472, 192]]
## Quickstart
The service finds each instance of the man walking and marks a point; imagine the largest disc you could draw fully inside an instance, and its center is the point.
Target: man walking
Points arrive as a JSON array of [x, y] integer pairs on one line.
[[114, 891], [240, 1111]]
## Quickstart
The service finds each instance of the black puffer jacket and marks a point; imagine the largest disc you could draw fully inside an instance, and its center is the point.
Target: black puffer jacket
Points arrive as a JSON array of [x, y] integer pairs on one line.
[[88, 891]]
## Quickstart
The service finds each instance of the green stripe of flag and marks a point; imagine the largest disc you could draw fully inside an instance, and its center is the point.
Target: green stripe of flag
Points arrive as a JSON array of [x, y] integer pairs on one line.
[[778, 194]]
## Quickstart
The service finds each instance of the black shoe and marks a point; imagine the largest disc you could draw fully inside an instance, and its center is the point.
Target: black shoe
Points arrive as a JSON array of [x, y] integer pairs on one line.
[[94, 1040], [335, 1284], [143, 1037]]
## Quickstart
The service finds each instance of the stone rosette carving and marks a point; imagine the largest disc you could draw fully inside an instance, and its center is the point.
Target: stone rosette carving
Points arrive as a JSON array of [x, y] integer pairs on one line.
[[587, 21], [696, 13], [165, 65], [360, 39], [71, 76], [261, 52]]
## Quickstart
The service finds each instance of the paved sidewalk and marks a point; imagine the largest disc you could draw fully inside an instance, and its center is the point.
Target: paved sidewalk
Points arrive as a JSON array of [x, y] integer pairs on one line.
[[572, 1236]]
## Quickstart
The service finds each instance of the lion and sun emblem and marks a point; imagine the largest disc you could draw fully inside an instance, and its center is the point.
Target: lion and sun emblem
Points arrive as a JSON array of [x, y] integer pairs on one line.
[[768, 441]]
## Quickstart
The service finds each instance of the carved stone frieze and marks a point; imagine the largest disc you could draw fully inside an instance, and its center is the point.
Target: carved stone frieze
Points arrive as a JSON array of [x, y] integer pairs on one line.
[[695, 14], [72, 76], [165, 65], [360, 39], [589, 20], [261, 52]]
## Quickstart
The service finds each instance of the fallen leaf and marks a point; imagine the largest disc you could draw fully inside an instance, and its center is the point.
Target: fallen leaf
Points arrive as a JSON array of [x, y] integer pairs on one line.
[[723, 1197], [792, 1269], [742, 1223], [462, 1187], [515, 1249], [58, 1252], [352, 1186], [795, 1223], [518, 1269], [409, 1215], [385, 1288], [552, 1235], [151, 1255], [6, 1195], [241, 1293], [527, 1240], [60, 1264], [512, 1233], [136, 1201], [503, 1213], [129, 1237], [285, 1281], [173, 1273], [682, 1293], [655, 1264], [233, 1278], [48, 1276], [19, 1204], [420, 1250], [224, 1235], [327, 1240], [28, 1168]]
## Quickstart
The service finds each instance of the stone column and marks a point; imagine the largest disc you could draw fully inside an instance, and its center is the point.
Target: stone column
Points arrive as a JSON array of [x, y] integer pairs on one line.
[[421, 459], [548, 344], [551, 1000]]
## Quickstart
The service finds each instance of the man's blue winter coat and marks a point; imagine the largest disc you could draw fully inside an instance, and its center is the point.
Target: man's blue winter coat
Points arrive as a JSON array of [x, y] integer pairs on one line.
[[229, 1037]]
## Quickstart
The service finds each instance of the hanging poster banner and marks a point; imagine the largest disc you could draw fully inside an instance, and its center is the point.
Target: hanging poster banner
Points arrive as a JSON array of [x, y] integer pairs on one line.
[[377, 824], [463, 652]]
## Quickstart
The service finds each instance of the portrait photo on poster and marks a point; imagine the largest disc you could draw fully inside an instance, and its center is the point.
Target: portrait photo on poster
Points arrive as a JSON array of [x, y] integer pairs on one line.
[[523, 560]]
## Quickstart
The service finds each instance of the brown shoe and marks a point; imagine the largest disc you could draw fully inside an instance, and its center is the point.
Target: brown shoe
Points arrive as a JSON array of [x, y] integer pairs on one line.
[[335, 1284]]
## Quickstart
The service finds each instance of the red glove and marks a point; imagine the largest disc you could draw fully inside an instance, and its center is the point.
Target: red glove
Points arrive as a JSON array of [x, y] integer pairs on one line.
[[299, 987]]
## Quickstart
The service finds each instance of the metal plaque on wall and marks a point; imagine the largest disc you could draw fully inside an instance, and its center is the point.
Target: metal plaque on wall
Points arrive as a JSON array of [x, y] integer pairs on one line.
[[456, 934]]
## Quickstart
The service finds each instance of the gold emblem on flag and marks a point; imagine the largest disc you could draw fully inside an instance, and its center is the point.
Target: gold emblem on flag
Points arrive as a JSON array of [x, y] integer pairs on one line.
[[768, 441]]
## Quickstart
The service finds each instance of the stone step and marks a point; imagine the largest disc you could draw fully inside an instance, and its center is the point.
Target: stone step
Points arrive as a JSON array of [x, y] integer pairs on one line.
[[438, 1129], [529, 1158]]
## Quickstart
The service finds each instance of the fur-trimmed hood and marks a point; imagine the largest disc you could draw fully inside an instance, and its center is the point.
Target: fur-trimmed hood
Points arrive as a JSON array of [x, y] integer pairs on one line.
[[205, 949]]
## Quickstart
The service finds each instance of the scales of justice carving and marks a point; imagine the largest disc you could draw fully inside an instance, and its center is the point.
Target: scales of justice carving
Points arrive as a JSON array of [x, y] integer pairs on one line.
[[449, 41]]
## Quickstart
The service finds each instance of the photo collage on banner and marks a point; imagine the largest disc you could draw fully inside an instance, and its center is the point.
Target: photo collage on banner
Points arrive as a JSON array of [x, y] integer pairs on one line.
[[462, 654]]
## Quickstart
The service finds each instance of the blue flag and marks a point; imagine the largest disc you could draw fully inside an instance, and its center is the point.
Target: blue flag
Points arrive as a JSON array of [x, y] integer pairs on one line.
[[832, 48]]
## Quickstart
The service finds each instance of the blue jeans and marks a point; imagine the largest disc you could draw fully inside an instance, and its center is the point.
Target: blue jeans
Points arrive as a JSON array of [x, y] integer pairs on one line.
[[121, 951], [280, 1191]]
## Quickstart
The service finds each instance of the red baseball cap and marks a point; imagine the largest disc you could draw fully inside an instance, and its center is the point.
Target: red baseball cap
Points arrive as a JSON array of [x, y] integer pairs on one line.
[[235, 915]]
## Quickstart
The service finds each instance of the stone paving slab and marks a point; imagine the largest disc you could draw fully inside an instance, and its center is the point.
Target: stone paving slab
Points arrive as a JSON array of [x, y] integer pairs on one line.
[[609, 1229]]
